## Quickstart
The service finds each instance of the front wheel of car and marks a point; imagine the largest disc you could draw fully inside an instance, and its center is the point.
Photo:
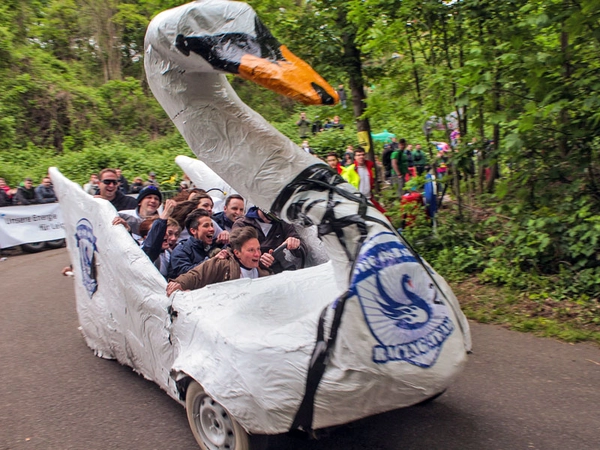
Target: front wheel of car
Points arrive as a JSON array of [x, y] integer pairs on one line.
[[213, 427], [57, 243], [33, 247]]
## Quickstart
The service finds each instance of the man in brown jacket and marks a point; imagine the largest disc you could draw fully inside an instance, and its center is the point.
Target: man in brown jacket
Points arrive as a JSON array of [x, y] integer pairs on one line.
[[273, 232], [241, 262]]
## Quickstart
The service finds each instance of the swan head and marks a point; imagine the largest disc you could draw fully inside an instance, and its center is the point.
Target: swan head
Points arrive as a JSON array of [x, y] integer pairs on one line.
[[223, 36]]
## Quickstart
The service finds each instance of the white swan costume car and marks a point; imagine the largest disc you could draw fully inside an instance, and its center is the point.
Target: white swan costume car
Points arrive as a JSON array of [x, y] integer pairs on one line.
[[373, 329]]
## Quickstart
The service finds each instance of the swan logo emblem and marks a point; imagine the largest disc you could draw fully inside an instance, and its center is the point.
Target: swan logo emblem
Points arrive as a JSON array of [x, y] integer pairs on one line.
[[401, 305], [86, 242]]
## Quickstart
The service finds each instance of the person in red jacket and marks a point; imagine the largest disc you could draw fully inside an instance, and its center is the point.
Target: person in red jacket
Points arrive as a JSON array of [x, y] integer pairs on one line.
[[412, 204], [334, 162], [366, 175]]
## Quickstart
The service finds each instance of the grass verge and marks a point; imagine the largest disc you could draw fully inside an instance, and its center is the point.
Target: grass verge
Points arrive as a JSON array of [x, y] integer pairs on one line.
[[540, 314]]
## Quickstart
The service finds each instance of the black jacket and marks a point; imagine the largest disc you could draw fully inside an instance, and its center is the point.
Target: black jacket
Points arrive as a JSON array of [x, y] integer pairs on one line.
[[24, 196], [122, 202], [277, 235], [223, 221], [124, 187], [4, 199], [187, 255]]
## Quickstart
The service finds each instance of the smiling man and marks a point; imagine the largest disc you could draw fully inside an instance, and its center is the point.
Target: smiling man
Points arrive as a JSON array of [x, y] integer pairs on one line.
[[233, 210], [273, 232], [148, 202], [195, 250], [109, 190], [242, 261]]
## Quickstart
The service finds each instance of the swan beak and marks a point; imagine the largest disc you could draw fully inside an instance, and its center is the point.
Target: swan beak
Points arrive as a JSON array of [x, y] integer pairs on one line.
[[290, 76]]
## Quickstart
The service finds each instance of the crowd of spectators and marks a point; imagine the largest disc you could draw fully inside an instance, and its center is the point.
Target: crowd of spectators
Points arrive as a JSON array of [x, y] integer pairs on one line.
[[109, 184], [26, 193], [403, 167], [307, 127]]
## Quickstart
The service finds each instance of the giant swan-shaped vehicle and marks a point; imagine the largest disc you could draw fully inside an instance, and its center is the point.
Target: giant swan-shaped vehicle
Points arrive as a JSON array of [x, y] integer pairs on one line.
[[373, 329]]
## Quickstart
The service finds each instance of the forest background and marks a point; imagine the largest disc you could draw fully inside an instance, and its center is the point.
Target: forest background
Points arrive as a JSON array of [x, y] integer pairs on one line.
[[522, 78]]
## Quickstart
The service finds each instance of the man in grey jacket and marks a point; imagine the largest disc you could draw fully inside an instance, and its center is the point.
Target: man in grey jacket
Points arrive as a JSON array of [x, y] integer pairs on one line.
[[44, 193]]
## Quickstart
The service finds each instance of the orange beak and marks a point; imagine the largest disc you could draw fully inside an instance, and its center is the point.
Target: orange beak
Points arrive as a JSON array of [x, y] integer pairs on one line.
[[291, 77]]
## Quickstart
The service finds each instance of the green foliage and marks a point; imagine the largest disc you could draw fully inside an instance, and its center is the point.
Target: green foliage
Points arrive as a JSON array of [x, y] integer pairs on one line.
[[333, 141], [157, 156]]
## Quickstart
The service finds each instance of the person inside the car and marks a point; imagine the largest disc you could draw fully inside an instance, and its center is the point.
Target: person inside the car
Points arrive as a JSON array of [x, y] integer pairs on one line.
[[206, 203], [195, 250], [233, 210], [240, 261], [109, 190], [148, 203], [272, 233], [161, 237]]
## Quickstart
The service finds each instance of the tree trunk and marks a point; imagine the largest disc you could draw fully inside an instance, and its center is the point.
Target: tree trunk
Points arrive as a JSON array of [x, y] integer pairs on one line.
[[415, 72], [353, 65], [496, 107], [564, 112], [100, 15], [481, 154]]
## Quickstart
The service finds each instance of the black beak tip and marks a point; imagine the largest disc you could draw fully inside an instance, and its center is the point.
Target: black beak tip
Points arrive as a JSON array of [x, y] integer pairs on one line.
[[326, 99]]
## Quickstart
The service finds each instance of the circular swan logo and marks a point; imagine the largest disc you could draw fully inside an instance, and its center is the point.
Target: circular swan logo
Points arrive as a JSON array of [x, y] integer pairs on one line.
[[86, 242], [402, 306]]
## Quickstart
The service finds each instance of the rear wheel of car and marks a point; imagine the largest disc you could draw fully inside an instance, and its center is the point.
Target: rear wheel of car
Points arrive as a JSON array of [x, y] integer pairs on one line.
[[57, 243], [33, 247], [213, 427]]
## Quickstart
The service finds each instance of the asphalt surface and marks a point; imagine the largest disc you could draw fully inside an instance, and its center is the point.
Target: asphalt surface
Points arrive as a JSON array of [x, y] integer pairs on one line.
[[517, 392]]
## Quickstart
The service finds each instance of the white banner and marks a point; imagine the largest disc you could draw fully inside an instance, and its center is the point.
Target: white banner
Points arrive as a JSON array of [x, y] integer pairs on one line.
[[32, 223]]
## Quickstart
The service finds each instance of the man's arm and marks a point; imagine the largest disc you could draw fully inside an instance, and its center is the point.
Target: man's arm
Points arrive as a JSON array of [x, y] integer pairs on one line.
[[395, 165], [152, 245], [181, 262], [292, 239], [205, 273]]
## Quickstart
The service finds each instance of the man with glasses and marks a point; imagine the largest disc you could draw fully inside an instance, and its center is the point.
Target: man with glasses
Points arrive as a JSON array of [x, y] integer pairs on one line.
[[109, 190]]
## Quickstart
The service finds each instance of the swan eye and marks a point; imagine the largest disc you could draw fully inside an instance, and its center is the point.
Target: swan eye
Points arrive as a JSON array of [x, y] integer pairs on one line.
[[225, 51]]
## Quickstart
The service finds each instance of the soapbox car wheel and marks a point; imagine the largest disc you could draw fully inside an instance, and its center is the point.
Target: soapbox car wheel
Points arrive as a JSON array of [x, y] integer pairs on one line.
[[213, 427], [56, 243], [33, 247]]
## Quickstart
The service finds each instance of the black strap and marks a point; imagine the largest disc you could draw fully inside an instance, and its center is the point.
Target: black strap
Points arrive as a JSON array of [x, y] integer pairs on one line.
[[317, 366], [320, 178]]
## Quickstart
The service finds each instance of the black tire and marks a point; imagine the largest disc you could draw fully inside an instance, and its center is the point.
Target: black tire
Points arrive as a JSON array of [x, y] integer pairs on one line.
[[213, 427], [33, 247], [57, 243]]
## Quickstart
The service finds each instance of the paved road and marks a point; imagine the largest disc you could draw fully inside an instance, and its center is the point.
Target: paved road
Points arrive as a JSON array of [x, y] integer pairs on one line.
[[518, 391]]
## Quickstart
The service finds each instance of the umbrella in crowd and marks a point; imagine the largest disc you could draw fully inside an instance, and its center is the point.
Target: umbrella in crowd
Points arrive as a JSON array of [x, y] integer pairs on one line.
[[386, 136]]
